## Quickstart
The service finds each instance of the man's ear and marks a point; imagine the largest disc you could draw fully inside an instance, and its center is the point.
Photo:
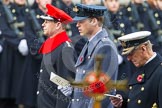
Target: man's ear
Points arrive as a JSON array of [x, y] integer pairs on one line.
[[93, 21], [37, 1], [104, 2], [58, 25], [144, 48]]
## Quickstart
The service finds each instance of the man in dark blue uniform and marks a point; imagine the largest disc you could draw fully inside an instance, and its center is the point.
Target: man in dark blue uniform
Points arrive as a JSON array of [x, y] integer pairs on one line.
[[145, 86], [58, 58]]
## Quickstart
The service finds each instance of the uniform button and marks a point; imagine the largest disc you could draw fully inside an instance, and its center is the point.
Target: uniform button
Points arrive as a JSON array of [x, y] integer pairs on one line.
[[77, 70], [115, 40], [142, 88], [77, 100], [0, 32], [83, 71], [158, 22], [129, 9], [130, 18], [37, 92], [15, 18], [145, 9], [121, 13], [156, 15], [89, 57], [26, 10], [37, 16], [154, 105], [41, 70], [122, 34], [122, 25], [139, 101], [13, 11], [130, 88], [73, 100], [128, 100]]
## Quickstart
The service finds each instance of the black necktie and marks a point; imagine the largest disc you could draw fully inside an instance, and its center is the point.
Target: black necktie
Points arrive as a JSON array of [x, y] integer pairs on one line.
[[86, 49]]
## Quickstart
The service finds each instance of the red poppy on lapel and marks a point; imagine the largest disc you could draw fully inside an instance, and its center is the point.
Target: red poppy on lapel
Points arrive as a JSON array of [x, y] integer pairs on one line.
[[140, 77], [81, 58]]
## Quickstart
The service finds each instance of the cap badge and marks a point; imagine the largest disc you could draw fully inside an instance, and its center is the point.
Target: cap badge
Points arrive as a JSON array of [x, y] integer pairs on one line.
[[123, 43], [75, 9]]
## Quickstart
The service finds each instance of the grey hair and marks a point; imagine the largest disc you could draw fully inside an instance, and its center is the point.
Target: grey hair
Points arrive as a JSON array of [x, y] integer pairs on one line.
[[148, 44]]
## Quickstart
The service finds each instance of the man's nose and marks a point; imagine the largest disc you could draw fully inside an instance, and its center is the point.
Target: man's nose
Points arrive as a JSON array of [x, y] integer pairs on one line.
[[43, 24], [77, 24]]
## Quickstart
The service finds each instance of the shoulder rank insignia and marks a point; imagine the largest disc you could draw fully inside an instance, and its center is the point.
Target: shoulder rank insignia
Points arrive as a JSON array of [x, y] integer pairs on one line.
[[104, 39]]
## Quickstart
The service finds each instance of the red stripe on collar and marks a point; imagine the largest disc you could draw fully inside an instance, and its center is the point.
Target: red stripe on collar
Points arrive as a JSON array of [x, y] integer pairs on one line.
[[52, 43]]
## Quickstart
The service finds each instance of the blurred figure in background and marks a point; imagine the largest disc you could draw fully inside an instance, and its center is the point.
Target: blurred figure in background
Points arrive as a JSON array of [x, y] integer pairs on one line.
[[91, 2], [156, 6], [27, 91], [148, 17], [19, 11], [16, 48], [117, 25], [6, 56]]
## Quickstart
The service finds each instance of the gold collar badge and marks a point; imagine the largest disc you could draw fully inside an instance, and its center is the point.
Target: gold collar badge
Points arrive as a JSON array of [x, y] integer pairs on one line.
[[75, 9]]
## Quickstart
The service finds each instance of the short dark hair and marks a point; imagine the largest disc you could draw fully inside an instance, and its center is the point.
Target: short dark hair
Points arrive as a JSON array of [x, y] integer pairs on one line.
[[100, 19]]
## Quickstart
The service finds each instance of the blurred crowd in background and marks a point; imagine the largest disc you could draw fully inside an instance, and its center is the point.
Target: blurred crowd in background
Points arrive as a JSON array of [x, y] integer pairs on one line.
[[21, 37]]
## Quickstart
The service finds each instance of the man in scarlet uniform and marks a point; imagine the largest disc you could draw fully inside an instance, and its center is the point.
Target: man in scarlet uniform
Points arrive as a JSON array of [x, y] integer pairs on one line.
[[58, 58]]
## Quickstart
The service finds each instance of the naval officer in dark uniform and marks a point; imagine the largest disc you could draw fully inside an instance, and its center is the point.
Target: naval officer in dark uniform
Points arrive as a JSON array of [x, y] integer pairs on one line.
[[89, 20], [145, 86], [58, 58]]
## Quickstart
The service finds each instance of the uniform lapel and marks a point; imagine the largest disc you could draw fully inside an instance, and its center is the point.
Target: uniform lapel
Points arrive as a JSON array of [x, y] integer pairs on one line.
[[81, 57], [149, 68], [138, 77], [91, 46], [94, 42], [147, 71]]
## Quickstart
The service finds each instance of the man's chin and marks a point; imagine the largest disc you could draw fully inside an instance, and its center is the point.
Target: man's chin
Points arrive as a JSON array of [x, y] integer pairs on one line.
[[137, 65], [81, 34]]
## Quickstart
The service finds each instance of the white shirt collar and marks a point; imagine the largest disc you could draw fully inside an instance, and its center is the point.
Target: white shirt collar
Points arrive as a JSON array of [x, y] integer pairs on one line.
[[94, 35], [151, 58]]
